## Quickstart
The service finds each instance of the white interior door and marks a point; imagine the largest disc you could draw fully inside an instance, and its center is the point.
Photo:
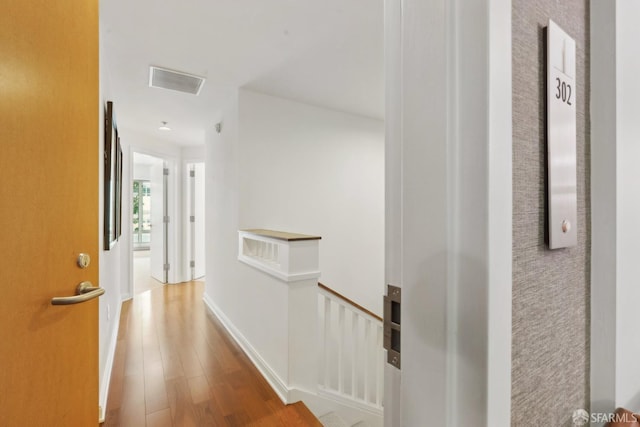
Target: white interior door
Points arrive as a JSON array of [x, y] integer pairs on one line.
[[158, 212], [198, 223]]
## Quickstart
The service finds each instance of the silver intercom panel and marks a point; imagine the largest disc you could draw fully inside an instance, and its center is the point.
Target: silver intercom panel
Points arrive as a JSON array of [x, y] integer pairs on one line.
[[562, 95]]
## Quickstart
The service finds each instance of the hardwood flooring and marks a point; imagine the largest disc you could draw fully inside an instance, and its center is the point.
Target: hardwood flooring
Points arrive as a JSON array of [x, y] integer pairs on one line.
[[175, 365]]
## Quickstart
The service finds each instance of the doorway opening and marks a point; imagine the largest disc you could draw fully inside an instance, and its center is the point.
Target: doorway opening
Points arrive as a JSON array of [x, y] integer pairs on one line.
[[149, 228]]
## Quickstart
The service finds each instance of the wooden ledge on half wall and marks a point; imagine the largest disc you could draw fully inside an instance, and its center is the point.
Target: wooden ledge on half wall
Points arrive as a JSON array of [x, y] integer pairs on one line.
[[281, 235]]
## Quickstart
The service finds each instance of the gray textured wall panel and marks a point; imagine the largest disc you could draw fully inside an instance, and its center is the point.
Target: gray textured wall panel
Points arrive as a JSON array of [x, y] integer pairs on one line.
[[551, 299]]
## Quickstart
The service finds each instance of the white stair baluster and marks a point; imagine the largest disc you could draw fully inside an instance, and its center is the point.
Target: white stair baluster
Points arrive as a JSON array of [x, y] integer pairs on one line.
[[367, 327], [379, 367], [327, 339], [354, 354], [340, 348]]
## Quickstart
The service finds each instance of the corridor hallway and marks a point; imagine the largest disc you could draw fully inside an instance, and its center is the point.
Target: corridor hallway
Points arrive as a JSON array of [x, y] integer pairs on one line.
[[175, 365]]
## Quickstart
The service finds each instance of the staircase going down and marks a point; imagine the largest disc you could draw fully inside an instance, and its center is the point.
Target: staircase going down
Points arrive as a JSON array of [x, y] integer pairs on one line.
[[334, 355]]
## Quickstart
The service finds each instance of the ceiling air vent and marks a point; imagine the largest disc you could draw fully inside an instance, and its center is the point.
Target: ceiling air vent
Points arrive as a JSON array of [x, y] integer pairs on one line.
[[175, 80]]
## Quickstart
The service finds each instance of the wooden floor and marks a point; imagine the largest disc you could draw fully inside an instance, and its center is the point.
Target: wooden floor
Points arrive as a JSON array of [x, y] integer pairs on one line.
[[175, 365]]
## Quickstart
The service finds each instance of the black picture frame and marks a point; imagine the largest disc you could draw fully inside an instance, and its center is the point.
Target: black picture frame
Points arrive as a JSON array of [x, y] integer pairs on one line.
[[110, 178]]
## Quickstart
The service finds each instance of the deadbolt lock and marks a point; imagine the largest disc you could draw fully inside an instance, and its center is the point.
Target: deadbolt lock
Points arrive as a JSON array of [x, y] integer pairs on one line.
[[84, 260]]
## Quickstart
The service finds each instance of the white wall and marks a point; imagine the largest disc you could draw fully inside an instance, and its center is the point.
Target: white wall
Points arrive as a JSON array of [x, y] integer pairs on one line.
[[615, 107], [311, 170], [112, 267], [230, 285]]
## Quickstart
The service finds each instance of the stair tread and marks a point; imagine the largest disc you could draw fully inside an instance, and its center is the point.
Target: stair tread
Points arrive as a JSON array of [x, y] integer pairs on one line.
[[333, 420]]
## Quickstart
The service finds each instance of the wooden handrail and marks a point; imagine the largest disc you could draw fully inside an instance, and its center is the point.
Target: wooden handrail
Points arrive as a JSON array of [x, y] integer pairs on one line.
[[348, 301], [281, 235]]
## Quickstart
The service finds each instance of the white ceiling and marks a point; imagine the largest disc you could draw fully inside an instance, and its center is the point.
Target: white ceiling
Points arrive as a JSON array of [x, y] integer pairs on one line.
[[323, 52]]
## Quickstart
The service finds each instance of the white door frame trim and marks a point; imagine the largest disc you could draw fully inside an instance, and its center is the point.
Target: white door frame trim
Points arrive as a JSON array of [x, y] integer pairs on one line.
[[449, 197], [615, 206]]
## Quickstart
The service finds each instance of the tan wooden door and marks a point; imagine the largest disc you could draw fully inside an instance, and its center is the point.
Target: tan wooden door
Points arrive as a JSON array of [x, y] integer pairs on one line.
[[49, 189]]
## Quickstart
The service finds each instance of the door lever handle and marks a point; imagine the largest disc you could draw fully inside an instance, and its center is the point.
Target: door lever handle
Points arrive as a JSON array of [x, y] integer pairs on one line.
[[85, 291]]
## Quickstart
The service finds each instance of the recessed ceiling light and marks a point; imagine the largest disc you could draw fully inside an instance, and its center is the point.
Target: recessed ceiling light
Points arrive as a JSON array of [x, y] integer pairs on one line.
[[164, 126]]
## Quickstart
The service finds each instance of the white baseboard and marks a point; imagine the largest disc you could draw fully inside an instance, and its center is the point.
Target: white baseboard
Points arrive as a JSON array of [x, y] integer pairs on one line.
[[276, 383], [106, 375]]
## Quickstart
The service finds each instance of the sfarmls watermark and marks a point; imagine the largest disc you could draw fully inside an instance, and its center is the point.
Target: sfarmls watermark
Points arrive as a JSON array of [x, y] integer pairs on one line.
[[582, 418]]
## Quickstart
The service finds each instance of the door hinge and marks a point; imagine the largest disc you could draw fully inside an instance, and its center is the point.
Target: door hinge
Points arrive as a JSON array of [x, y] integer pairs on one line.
[[166, 267], [192, 218], [192, 174], [192, 264], [166, 219], [165, 171]]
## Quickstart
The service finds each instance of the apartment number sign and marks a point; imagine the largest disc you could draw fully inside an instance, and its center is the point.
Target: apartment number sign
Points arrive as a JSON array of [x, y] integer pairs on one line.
[[561, 138]]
